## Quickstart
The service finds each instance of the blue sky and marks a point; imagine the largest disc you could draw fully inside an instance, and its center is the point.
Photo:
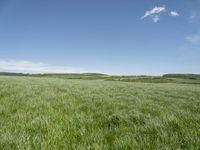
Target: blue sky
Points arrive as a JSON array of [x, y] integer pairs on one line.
[[116, 36]]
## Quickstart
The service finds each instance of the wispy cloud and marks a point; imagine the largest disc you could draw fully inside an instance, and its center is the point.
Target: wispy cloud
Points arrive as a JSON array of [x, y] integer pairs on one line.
[[194, 39], [154, 13], [21, 66], [174, 14], [156, 18], [155, 10], [194, 17]]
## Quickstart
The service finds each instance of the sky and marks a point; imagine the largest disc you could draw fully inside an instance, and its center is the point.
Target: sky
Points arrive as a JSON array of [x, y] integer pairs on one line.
[[149, 37]]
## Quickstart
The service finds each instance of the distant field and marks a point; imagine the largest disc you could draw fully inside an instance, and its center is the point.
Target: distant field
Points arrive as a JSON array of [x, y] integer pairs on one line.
[[58, 113], [167, 78]]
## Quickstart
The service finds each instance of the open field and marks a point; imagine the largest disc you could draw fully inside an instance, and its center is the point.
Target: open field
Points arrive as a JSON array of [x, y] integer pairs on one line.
[[167, 78], [56, 113]]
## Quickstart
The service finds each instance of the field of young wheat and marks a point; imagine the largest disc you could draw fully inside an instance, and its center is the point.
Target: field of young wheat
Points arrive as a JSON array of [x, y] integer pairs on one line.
[[49, 113]]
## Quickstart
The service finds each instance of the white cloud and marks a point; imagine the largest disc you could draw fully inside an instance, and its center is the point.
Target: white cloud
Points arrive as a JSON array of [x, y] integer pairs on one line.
[[155, 10], [194, 39], [174, 14], [156, 18], [20, 66], [153, 13]]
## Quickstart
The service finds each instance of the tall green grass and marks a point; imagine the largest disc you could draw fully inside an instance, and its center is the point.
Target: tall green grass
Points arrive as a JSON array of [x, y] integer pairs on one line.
[[49, 113]]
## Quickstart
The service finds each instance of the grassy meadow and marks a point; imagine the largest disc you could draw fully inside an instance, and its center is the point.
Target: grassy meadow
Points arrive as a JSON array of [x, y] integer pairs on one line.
[[58, 113]]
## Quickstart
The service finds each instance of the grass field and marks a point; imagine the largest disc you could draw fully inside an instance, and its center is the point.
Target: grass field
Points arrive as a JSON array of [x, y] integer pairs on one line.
[[50, 113]]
